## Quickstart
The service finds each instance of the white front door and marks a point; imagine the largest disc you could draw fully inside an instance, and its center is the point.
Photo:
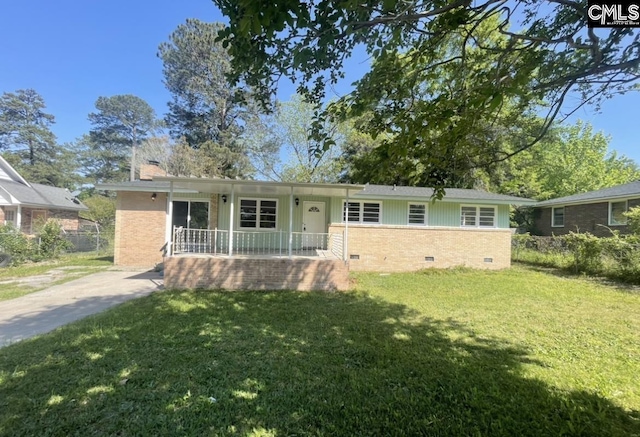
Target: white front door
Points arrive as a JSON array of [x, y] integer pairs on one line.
[[314, 220]]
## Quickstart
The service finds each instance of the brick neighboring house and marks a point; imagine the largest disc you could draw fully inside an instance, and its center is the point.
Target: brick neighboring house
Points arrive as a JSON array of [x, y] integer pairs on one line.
[[597, 212], [219, 233], [25, 204]]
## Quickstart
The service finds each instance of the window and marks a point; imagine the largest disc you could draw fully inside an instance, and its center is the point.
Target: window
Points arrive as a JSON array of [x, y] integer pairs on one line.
[[258, 213], [362, 212], [478, 216], [616, 211], [557, 217], [10, 216], [417, 214]]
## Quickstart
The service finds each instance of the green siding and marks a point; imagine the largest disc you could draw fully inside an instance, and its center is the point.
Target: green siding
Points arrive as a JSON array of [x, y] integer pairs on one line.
[[394, 212], [282, 214]]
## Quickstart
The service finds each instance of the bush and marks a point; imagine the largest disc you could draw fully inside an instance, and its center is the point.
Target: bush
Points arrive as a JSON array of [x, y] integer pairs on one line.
[[50, 240], [633, 220], [48, 244], [16, 244], [587, 252], [616, 257]]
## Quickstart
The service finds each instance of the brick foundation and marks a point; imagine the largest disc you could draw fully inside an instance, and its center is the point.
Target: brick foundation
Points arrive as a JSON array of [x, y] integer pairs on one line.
[[208, 272], [400, 248]]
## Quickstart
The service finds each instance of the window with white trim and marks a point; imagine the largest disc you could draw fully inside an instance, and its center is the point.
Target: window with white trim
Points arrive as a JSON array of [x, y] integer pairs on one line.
[[616, 213], [478, 216], [557, 217], [10, 216], [258, 213], [417, 214], [363, 212]]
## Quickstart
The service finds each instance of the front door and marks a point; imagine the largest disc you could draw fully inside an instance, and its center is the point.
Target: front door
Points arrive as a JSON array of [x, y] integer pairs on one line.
[[314, 220]]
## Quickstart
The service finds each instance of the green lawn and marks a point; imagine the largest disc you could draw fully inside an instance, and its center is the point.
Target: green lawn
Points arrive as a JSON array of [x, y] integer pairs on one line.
[[454, 353], [69, 267]]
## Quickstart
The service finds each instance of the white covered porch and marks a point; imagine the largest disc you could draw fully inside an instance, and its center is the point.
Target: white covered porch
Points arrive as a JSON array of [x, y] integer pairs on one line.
[[276, 238]]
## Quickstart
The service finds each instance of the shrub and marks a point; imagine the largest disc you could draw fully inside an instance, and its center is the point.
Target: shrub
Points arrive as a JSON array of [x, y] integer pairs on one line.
[[587, 252], [633, 220], [50, 240], [16, 244]]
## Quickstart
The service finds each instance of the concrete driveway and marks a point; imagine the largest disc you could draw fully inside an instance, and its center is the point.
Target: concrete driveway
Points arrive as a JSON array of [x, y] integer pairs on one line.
[[55, 306]]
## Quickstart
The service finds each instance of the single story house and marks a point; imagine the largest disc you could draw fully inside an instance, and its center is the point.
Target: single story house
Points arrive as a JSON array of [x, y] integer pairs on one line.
[[254, 234], [24, 204], [597, 212]]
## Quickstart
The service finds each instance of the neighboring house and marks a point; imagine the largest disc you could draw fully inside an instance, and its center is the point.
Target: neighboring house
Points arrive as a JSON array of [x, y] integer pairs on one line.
[[597, 212], [254, 234], [25, 204]]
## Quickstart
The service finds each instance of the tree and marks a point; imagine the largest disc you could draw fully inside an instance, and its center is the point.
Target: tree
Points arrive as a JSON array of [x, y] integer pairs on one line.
[[205, 109], [545, 53], [29, 144], [285, 132], [119, 125]]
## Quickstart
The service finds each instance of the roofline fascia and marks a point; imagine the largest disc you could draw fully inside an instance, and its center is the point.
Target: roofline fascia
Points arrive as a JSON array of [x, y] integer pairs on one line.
[[444, 199], [50, 206], [587, 202], [258, 183], [14, 172]]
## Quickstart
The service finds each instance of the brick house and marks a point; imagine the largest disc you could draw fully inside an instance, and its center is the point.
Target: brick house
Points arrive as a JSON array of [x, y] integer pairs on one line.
[[24, 204], [219, 233], [597, 212]]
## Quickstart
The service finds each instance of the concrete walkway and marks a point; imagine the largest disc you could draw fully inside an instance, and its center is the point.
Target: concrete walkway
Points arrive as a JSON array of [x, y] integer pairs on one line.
[[55, 306]]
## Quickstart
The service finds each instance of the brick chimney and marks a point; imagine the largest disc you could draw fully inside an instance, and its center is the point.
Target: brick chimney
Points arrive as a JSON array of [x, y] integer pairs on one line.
[[151, 169]]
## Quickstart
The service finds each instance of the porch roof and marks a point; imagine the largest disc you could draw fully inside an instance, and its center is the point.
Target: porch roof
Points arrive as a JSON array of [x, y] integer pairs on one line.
[[248, 187]]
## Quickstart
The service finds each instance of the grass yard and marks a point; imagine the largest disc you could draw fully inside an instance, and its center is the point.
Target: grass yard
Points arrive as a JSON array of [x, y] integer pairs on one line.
[[451, 353], [66, 268]]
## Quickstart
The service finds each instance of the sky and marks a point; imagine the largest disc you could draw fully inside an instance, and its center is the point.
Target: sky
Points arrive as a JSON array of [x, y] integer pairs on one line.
[[74, 51]]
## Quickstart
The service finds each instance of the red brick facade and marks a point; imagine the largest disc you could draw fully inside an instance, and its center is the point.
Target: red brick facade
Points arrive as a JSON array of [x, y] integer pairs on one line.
[[68, 219], [590, 217], [192, 272]]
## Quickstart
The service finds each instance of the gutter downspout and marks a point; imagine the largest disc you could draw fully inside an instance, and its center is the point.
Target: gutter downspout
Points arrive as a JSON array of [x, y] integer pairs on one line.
[[169, 222], [291, 222], [231, 202], [345, 243]]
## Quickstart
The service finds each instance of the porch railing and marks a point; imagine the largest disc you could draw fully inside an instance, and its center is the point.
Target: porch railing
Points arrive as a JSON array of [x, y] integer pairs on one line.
[[216, 242]]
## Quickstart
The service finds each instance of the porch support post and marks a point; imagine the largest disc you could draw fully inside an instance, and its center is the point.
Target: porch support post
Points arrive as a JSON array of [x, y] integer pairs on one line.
[[231, 203], [19, 217], [291, 222], [345, 243], [168, 232]]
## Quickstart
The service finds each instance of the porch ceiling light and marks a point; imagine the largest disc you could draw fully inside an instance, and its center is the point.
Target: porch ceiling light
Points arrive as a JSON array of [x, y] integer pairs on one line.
[[154, 196], [224, 198], [297, 201]]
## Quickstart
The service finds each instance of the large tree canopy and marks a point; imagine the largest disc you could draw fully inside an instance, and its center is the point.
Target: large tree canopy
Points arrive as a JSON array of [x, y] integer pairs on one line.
[[205, 109], [119, 125], [529, 55], [28, 142]]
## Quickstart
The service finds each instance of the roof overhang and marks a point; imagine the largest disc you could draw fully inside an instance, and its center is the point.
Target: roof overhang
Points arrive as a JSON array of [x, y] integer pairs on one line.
[[448, 199], [244, 187], [554, 203]]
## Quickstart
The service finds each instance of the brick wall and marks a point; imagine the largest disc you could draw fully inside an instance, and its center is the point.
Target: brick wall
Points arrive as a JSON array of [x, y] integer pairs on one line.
[[140, 229], [191, 272], [68, 219], [579, 218], [400, 248]]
